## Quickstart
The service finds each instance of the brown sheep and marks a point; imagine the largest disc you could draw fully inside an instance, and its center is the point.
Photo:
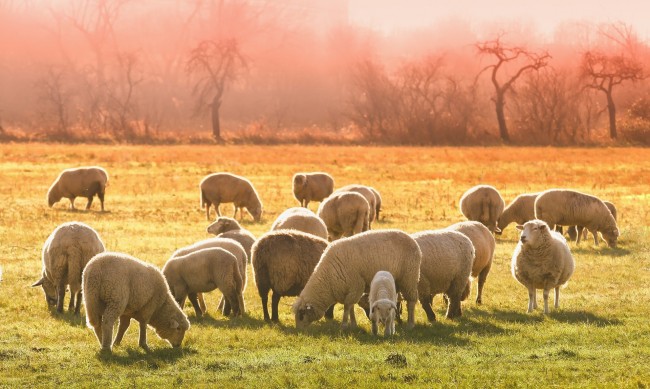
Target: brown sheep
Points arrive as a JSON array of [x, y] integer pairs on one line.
[[312, 187], [220, 188], [79, 182]]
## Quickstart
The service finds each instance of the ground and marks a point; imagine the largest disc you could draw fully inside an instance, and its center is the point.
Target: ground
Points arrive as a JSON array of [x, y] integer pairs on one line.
[[598, 337]]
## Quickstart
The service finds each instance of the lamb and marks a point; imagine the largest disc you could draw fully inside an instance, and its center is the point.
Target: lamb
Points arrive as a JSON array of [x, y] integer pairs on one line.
[[573, 231], [520, 210], [344, 214], [65, 254], [541, 260], [484, 246], [368, 194], [301, 219], [447, 258], [383, 302], [484, 204], [203, 271], [377, 202], [120, 286], [283, 261], [85, 181], [568, 207], [347, 267], [225, 227], [312, 187], [220, 188]]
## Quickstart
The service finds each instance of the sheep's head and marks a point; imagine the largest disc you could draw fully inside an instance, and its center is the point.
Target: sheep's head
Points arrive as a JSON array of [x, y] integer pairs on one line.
[[256, 212], [501, 225], [305, 313], [383, 311], [611, 236], [173, 330], [223, 224], [53, 196], [532, 231], [299, 182], [49, 289]]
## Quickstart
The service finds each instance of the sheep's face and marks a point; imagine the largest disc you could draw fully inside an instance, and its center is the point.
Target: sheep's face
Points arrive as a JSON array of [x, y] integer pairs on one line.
[[383, 311], [305, 313], [49, 289], [52, 197], [174, 330], [500, 225], [532, 231], [611, 237], [299, 182], [223, 224], [256, 213]]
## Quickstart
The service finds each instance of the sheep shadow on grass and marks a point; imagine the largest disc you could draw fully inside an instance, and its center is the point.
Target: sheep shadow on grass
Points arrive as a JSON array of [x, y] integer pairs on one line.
[[600, 251], [563, 316], [221, 321], [68, 317], [153, 359]]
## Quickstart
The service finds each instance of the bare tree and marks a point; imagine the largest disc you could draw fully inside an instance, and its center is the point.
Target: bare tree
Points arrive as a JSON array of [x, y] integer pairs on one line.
[[55, 99], [522, 59], [217, 64], [122, 110]]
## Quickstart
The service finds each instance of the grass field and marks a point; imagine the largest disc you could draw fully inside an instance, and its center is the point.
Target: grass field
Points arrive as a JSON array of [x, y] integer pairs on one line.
[[600, 336]]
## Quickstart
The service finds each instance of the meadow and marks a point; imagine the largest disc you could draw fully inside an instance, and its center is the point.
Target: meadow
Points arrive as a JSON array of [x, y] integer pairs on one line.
[[600, 336]]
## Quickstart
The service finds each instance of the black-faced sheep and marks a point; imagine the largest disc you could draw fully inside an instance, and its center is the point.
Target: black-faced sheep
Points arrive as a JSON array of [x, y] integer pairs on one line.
[[79, 182], [226, 227], [220, 188], [383, 302], [300, 219], [345, 214], [312, 187], [484, 204]]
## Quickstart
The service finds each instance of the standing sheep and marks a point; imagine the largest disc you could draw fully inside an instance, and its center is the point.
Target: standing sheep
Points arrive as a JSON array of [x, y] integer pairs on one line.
[[377, 202], [120, 286], [484, 204], [345, 214], [447, 258], [383, 302], [312, 187], [203, 271], [573, 231], [283, 261], [79, 182], [568, 207], [520, 210], [220, 188], [225, 227], [300, 219], [65, 254], [347, 268], [541, 260], [484, 246], [368, 194]]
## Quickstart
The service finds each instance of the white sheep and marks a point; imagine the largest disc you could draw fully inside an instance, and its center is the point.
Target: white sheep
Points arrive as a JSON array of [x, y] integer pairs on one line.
[[301, 219], [484, 204], [383, 302], [85, 181], [283, 261], [484, 246], [226, 227], [220, 188], [65, 254], [347, 267], [119, 286], [368, 194], [447, 258], [520, 210], [312, 187], [541, 260], [568, 207], [203, 271], [345, 214], [574, 231]]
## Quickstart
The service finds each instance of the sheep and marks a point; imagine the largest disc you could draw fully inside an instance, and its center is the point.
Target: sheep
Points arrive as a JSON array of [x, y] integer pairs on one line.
[[86, 181], [383, 302], [312, 187], [447, 258], [117, 285], [283, 261], [568, 207], [484, 246], [347, 267], [65, 254], [203, 271], [344, 214], [573, 231], [484, 204], [225, 227], [368, 194], [377, 202], [541, 260], [520, 210], [220, 188], [230, 245], [301, 219]]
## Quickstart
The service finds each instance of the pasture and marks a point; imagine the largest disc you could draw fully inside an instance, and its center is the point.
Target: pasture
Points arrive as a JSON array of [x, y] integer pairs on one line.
[[600, 336]]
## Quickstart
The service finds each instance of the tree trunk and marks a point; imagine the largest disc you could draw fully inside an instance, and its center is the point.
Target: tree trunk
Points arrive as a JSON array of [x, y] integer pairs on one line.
[[611, 109], [216, 123], [499, 104]]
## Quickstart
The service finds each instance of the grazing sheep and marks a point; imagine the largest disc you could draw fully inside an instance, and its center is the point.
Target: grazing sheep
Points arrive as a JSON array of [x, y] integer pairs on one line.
[[484, 246], [283, 261], [312, 187], [447, 258], [383, 302], [203, 271], [541, 260], [520, 210], [225, 227], [573, 231], [568, 207], [301, 219], [345, 214], [119, 286], [79, 182], [65, 254], [347, 267], [230, 245], [368, 194], [484, 204], [377, 201], [220, 188]]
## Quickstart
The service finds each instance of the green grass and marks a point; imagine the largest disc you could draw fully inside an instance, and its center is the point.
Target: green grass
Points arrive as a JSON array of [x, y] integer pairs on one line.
[[600, 336]]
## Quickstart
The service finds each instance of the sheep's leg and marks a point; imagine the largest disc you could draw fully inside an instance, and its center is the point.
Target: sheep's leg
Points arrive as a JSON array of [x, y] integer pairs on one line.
[[557, 297], [125, 321], [222, 302], [410, 307], [578, 236], [374, 326], [207, 210], [201, 299], [546, 301], [234, 215], [353, 317], [108, 319], [454, 309], [72, 203], [77, 308], [227, 307], [482, 277], [100, 195], [216, 206], [531, 299], [426, 305], [72, 301], [346, 314], [90, 202], [390, 327], [275, 301], [595, 233], [195, 303], [143, 336], [60, 296], [329, 313]]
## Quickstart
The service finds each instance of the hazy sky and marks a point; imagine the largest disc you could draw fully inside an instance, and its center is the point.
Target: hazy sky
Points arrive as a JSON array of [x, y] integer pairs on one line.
[[388, 15]]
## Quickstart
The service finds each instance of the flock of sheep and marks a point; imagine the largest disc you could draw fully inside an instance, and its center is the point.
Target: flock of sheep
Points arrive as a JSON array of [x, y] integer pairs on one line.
[[328, 257]]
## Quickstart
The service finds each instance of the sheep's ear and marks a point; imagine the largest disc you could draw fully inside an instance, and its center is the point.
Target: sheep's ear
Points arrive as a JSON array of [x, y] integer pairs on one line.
[[542, 227], [173, 324], [520, 227], [39, 282]]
